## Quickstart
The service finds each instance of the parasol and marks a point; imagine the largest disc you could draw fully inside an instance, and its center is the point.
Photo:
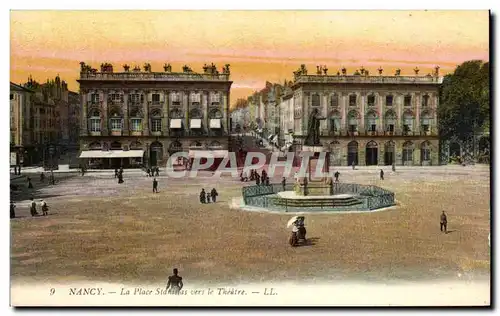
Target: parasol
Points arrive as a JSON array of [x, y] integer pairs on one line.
[[291, 221]]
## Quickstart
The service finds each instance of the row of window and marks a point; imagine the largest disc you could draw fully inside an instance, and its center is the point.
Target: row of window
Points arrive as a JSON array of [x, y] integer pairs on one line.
[[373, 128], [334, 100], [155, 98]]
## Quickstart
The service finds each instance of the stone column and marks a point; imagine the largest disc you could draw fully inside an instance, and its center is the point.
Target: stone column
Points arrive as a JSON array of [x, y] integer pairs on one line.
[[361, 153], [399, 100], [398, 148], [362, 112], [205, 103], [343, 109], [104, 119], [126, 129], [84, 113], [225, 110], [381, 153], [145, 110], [380, 111], [165, 120], [434, 106], [418, 100]]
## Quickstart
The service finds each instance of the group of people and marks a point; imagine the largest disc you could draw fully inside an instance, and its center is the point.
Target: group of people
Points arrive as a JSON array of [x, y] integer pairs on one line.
[[153, 172], [33, 211], [208, 197]]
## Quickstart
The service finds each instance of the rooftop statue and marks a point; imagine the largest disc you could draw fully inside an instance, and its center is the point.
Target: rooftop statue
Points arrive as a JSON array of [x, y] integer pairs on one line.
[[325, 70], [137, 69], [319, 70], [362, 70], [367, 73], [338, 73], [126, 68], [398, 72], [226, 70], [187, 69], [344, 71], [167, 68], [436, 71], [416, 70], [303, 69], [147, 67], [357, 73], [380, 70]]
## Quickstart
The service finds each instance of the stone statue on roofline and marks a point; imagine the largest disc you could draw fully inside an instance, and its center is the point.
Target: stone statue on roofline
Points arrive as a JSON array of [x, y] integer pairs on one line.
[[167, 67], [344, 71], [416, 70], [380, 70], [398, 72], [147, 67], [126, 68]]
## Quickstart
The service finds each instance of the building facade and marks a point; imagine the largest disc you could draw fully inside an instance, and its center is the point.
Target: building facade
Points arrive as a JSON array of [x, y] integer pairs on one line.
[[136, 117], [21, 125], [367, 120]]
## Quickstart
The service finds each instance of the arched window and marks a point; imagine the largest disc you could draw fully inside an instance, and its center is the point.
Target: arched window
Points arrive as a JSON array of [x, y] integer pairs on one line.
[[408, 152], [95, 122], [425, 122], [135, 145], [116, 121], [95, 146], [425, 152], [136, 120], [315, 100], [352, 153], [390, 121], [334, 100], [335, 118], [407, 122], [215, 114], [353, 121], [371, 121], [195, 144], [156, 121], [215, 144], [195, 114]]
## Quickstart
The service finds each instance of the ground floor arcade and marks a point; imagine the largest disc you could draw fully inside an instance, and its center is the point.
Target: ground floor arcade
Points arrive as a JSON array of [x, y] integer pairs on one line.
[[381, 151], [133, 152]]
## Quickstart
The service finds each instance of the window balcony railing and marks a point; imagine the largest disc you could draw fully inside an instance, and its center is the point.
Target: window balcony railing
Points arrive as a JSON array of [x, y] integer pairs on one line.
[[116, 132], [134, 102], [94, 102], [154, 102], [116, 102]]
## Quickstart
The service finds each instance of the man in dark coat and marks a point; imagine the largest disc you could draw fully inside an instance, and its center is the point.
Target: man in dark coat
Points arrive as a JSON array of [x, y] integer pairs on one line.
[[214, 195], [381, 174], [116, 172], [337, 175], [30, 185], [283, 183], [157, 171], [444, 222], [202, 196], [12, 209], [155, 186], [33, 208], [120, 177]]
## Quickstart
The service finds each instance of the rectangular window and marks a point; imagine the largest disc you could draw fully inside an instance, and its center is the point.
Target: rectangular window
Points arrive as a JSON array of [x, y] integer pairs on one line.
[[215, 98], [136, 124], [408, 100], [95, 125], [373, 128], [116, 124], [390, 127], [116, 97], [195, 99], [156, 98], [334, 101], [135, 98], [352, 100], [94, 98], [353, 128], [425, 100], [315, 100], [156, 125], [371, 100], [388, 100], [407, 154]]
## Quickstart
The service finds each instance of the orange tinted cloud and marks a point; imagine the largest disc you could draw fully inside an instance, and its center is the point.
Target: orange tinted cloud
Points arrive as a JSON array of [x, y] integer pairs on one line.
[[259, 45]]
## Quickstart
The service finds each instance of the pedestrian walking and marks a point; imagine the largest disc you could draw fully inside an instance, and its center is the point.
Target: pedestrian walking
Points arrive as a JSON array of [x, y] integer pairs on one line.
[[155, 186], [337, 175], [42, 177], [208, 197], [381, 174], [30, 185], [44, 207], [116, 173], [120, 178], [353, 165], [148, 172], [214, 195], [444, 222], [283, 183], [202, 196], [157, 171], [33, 207], [12, 209]]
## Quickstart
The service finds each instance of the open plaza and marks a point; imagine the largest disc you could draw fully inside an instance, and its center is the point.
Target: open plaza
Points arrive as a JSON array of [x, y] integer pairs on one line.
[[99, 230]]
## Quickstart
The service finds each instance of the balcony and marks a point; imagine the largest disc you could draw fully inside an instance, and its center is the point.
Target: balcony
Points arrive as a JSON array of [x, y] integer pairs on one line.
[[156, 133], [94, 103], [154, 103], [371, 133], [134, 102], [369, 79], [116, 132], [95, 133], [115, 102], [136, 133]]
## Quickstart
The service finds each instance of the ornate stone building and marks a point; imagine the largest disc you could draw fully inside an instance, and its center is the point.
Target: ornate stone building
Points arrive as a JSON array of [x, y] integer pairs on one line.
[[139, 116], [21, 125], [367, 119]]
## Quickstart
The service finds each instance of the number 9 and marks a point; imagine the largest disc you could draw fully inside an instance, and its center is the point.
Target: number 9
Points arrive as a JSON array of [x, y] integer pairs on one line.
[[52, 291]]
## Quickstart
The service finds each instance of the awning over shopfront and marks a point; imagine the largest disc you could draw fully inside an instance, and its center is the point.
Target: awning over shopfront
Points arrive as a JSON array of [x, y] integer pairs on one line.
[[176, 123], [111, 153], [215, 123], [195, 123], [208, 153]]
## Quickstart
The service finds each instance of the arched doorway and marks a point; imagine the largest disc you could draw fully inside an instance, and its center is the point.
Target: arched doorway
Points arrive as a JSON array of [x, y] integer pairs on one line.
[[155, 153], [425, 153], [455, 150], [335, 157], [352, 153], [371, 153], [175, 147], [408, 153], [389, 153]]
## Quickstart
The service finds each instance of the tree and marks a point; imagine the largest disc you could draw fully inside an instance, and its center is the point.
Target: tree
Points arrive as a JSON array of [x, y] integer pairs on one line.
[[465, 101], [240, 103]]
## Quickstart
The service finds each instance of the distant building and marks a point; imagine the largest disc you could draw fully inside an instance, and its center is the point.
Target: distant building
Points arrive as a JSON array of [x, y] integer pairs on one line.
[[21, 125], [134, 117]]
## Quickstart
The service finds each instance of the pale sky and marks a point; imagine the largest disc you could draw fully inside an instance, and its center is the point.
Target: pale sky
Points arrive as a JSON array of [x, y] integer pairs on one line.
[[259, 45]]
